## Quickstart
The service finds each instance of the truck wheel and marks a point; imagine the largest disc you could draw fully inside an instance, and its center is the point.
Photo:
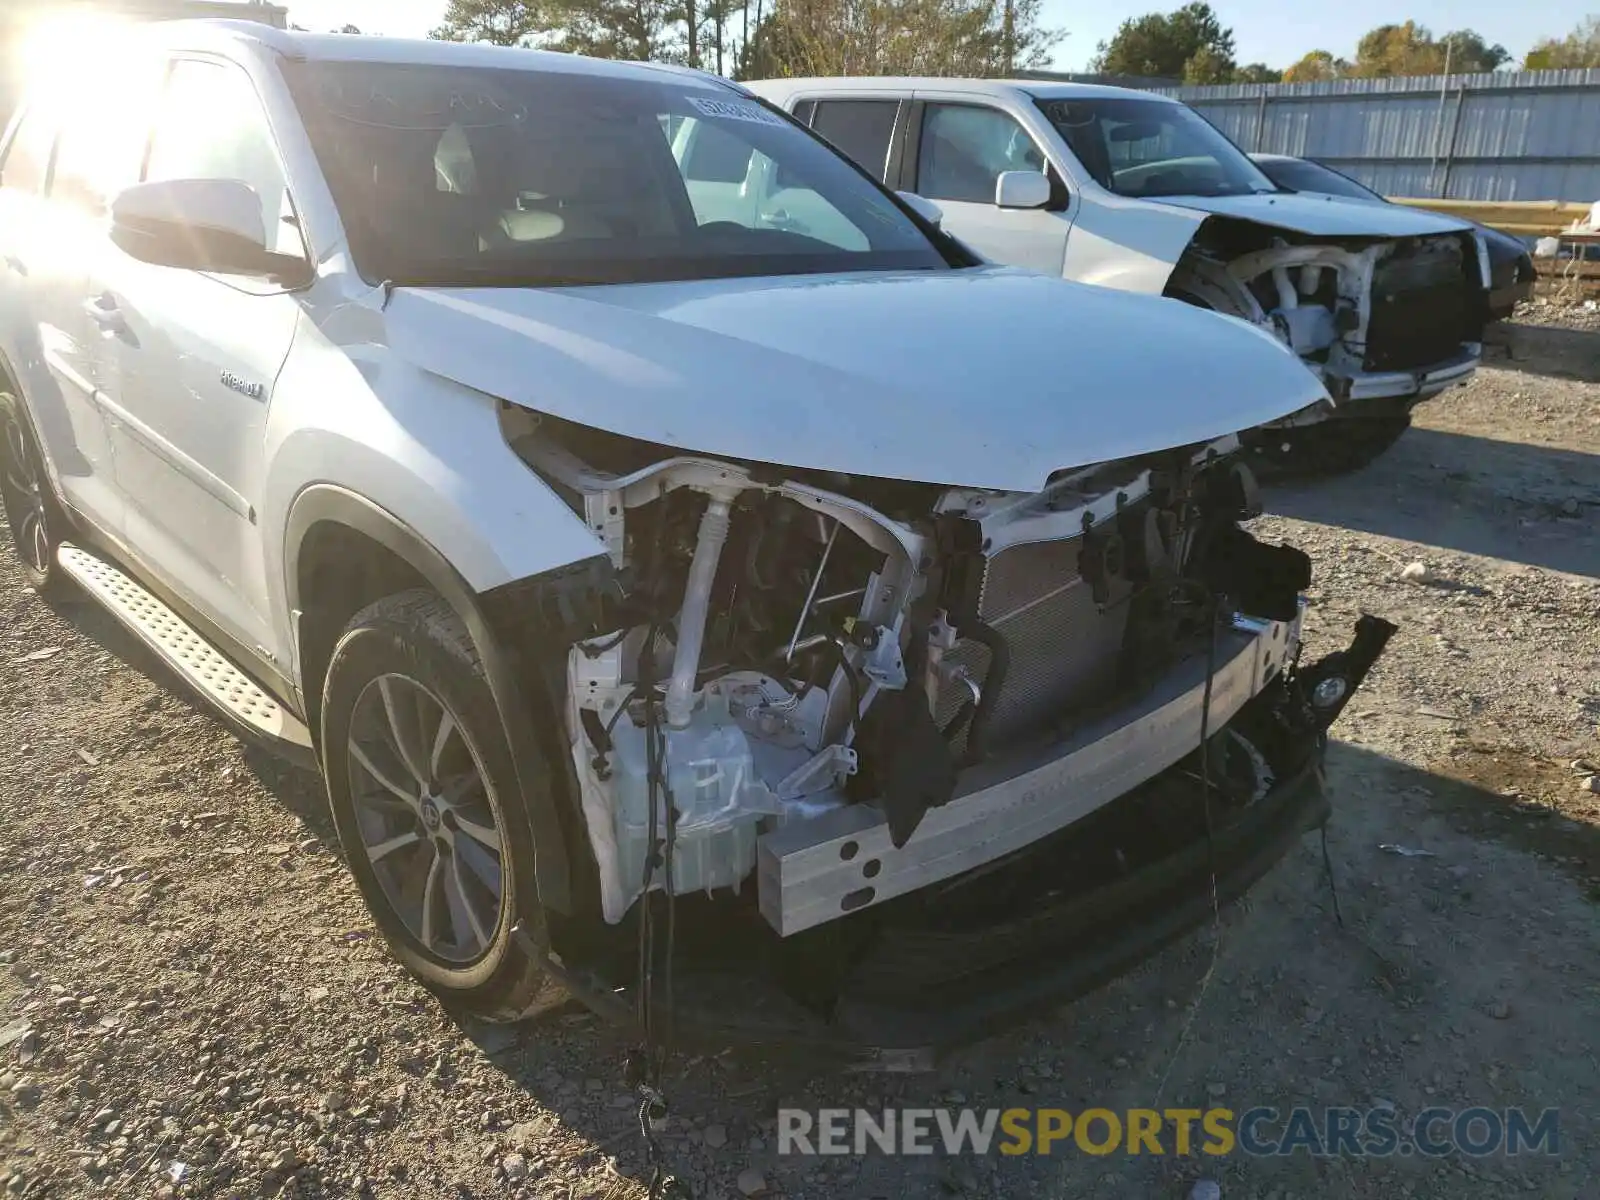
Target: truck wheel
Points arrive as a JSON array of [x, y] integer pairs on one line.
[[36, 520], [426, 804], [1330, 448]]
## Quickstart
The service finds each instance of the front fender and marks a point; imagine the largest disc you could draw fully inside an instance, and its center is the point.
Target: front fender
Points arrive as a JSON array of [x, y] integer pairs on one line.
[[431, 453], [425, 472]]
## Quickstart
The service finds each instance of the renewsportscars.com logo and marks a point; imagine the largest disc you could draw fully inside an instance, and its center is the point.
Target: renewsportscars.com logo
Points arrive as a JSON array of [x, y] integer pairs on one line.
[[1329, 1132]]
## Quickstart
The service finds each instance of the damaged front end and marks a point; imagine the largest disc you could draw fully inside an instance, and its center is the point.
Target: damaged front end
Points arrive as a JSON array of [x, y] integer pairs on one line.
[[1384, 322], [846, 718]]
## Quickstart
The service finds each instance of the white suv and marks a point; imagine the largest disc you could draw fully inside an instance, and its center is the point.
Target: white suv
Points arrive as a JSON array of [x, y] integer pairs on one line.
[[425, 410], [1136, 191]]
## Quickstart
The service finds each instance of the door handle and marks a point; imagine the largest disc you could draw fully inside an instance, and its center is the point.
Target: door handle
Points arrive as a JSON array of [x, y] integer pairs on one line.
[[103, 311]]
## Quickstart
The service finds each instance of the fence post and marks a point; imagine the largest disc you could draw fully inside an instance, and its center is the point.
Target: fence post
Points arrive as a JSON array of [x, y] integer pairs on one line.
[[1261, 121], [1455, 131]]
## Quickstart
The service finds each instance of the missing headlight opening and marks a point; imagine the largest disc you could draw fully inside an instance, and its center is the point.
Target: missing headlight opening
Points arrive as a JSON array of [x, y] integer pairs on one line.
[[836, 659]]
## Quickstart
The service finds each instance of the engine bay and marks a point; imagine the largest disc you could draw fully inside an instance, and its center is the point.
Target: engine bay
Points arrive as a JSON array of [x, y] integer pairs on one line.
[[788, 645], [1347, 306]]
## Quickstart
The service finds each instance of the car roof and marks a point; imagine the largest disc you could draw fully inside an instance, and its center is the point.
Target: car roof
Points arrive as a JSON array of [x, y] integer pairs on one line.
[[1008, 88], [338, 47]]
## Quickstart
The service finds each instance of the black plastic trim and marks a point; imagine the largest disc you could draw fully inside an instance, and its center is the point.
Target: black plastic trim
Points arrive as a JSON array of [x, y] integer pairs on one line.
[[1147, 911]]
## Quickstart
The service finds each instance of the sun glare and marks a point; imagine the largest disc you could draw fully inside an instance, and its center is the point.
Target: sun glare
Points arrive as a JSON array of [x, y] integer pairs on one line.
[[77, 68], [62, 46]]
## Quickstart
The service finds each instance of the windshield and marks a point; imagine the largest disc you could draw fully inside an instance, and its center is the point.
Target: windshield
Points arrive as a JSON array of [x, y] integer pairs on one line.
[[1303, 175], [1138, 147], [485, 176]]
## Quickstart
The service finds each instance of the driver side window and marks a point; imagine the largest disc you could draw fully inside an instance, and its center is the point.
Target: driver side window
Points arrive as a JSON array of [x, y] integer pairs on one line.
[[964, 148], [209, 125]]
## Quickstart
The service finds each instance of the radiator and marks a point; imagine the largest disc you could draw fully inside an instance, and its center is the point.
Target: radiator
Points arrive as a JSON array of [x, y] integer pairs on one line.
[[1062, 650], [1423, 306]]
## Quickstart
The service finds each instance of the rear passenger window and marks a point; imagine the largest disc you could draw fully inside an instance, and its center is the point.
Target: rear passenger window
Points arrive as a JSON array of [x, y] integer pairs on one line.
[[27, 160], [860, 129]]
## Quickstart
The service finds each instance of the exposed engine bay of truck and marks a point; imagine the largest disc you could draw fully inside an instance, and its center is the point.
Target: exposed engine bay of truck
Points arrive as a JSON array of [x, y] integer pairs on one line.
[[815, 695], [1347, 306]]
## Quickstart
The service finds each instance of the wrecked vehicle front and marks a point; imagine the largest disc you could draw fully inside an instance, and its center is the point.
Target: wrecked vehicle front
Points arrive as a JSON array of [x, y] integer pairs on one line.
[[929, 663], [888, 610]]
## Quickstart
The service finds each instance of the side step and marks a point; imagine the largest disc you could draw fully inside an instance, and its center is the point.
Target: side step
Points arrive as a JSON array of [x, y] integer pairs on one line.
[[183, 649]]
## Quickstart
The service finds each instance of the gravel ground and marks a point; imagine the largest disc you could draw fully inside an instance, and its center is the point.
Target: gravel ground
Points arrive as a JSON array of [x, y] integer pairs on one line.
[[192, 1001]]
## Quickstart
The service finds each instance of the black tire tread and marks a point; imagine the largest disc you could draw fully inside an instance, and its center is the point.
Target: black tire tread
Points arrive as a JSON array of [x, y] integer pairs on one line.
[[520, 987], [54, 583]]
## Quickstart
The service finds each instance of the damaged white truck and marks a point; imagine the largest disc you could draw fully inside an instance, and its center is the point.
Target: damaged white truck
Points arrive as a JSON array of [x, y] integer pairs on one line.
[[1130, 190], [878, 618]]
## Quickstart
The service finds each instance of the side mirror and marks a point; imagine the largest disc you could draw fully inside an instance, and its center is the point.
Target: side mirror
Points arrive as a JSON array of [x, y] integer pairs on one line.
[[1021, 189], [923, 207], [198, 225]]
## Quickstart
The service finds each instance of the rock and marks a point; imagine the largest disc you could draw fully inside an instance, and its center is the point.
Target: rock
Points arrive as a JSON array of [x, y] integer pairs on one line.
[[1205, 1189], [1569, 507], [1499, 1010], [752, 1182], [24, 1094], [515, 1168], [715, 1136], [1589, 783], [1416, 572]]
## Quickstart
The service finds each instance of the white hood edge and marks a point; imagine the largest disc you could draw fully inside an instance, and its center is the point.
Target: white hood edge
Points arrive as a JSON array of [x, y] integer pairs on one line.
[[1323, 216], [988, 378]]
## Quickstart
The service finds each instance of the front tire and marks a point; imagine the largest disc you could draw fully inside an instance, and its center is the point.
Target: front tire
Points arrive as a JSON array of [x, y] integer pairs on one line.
[[36, 520], [426, 803], [1330, 448]]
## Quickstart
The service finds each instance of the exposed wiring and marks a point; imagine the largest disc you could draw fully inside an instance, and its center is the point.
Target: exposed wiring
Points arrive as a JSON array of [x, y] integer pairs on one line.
[[1333, 888], [1211, 855], [646, 1068]]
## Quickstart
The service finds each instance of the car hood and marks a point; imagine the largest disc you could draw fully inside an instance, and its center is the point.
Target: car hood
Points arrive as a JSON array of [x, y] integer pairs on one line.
[[987, 378], [1323, 216]]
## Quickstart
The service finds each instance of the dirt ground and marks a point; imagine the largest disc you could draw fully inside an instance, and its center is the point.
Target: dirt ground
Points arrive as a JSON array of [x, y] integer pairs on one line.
[[192, 1000]]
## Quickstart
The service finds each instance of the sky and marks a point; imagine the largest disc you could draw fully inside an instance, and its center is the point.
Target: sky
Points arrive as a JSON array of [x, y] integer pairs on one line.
[[1261, 31]]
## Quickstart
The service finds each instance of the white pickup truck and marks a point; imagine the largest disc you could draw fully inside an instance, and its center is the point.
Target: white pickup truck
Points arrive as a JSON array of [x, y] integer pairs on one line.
[[1135, 191]]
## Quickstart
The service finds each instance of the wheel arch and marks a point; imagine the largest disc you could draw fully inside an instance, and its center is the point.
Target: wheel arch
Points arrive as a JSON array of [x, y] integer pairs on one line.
[[328, 523]]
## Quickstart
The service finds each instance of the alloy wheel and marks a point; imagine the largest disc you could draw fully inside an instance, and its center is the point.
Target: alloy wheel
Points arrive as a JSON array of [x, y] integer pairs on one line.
[[428, 822]]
